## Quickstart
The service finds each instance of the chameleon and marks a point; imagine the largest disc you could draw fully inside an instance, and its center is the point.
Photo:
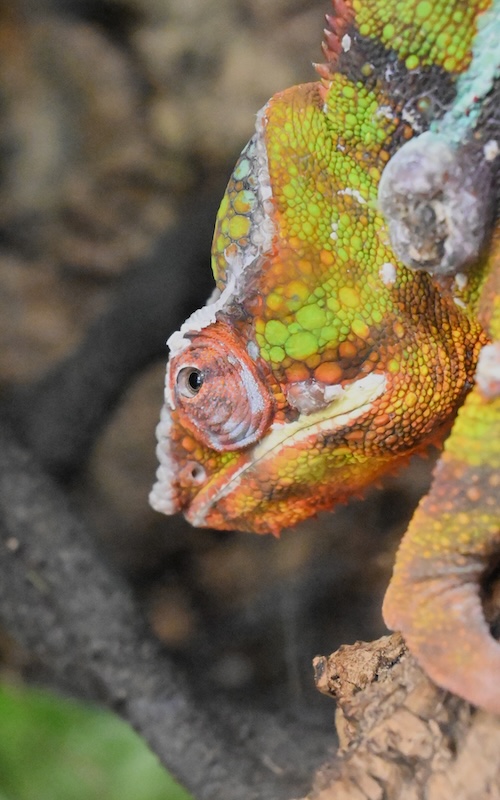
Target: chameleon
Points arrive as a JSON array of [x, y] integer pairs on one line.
[[355, 319]]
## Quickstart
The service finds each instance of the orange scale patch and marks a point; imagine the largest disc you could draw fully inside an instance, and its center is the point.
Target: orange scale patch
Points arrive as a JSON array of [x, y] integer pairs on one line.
[[189, 444], [297, 372], [347, 350], [313, 361], [328, 372]]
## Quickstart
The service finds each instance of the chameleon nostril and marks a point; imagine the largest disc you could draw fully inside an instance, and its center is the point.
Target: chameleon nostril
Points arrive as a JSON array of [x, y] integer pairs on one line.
[[193, 473], [198, 473]]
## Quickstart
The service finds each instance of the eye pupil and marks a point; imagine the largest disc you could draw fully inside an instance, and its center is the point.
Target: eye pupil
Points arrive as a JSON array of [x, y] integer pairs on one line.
[[195, 380], [189, 381]]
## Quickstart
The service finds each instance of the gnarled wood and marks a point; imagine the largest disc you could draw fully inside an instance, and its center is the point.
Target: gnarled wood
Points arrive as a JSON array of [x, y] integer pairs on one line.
[[401, 736]]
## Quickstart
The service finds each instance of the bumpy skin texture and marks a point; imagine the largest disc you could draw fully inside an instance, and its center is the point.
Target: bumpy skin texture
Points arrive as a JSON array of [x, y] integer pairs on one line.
[[322, 361]]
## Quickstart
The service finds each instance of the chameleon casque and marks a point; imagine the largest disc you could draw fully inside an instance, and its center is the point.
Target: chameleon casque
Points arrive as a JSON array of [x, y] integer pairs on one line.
[[357, 264]]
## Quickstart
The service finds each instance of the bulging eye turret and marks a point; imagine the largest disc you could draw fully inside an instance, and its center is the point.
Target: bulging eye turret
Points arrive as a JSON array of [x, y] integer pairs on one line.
[[218, 392]]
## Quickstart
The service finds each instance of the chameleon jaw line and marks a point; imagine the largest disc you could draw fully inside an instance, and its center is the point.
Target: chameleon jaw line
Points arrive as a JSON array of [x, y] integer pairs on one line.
[[356, 399]]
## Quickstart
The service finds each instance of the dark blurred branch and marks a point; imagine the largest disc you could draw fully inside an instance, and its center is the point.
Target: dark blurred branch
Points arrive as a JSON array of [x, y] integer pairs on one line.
[[79, 620], [59, 417]]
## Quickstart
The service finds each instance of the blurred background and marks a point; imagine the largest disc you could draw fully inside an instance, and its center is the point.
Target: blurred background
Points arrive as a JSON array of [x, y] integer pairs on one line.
[[115, 118]]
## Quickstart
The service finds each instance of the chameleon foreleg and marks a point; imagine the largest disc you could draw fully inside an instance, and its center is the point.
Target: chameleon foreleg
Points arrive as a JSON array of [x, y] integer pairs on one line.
[[434, 597]]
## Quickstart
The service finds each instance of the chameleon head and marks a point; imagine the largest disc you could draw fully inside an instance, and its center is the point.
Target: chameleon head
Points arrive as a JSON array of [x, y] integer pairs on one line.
[[234, 454], [299, 383]]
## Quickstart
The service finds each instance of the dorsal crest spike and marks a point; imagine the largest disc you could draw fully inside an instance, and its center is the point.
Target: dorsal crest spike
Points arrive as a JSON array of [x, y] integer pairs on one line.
[[338, 23], [322, 70]]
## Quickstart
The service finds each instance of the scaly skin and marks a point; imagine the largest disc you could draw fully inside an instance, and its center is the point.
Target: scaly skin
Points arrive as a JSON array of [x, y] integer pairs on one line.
[[323, 362], [454, 538]]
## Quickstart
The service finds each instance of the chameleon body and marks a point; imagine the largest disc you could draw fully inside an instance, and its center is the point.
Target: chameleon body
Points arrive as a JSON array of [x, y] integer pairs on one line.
[[323, 361]]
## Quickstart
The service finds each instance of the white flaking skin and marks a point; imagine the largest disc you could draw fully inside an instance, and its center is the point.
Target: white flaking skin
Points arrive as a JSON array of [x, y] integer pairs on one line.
[[387, 273], [488, 371], [162, 496], [246, 262], [247, 259]]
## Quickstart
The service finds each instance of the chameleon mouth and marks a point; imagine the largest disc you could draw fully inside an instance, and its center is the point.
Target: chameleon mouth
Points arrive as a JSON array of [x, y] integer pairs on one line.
[[356, 400]]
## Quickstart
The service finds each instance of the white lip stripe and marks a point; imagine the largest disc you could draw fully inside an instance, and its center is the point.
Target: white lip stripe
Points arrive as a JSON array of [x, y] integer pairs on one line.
[[356, 399]]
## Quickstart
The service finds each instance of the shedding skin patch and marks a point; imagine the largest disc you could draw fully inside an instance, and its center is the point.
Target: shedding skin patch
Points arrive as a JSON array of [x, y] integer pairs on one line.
[[163, 496], [244, 228], [488, 371], [437, 202], [388, 273], [244, 233]]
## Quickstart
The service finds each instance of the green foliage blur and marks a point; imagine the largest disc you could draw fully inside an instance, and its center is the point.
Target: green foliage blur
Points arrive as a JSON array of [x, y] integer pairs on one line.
[[54, 748]]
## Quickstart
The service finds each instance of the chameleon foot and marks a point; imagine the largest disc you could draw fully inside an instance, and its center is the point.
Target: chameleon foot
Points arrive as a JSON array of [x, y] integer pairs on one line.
[[442, 621]]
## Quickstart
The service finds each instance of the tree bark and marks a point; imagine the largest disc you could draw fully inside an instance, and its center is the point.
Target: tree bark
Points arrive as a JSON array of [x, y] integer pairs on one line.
[[401, 736]]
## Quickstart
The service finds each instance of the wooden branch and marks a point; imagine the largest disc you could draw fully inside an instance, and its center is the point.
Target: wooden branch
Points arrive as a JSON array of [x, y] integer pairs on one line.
[[401, 736]]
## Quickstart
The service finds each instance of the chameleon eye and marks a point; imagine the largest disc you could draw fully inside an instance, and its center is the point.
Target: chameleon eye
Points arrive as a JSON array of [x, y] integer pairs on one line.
[[189, 381], [217, 391]]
